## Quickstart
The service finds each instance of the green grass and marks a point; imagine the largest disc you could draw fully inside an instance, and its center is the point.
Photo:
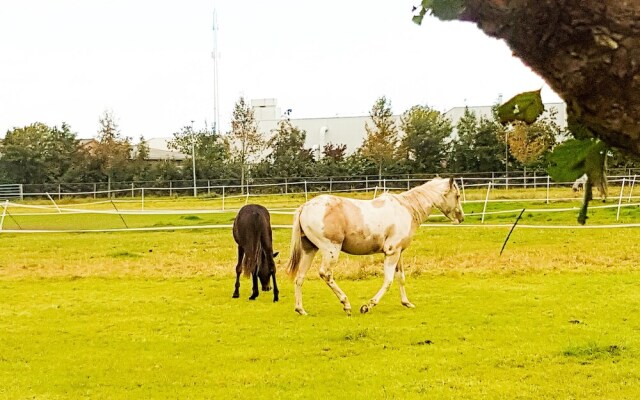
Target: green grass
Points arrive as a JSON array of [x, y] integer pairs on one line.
[[471, 336], [150, 315]]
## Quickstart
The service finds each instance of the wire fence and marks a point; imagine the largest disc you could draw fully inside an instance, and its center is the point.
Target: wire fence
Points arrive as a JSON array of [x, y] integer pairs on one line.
[[230, 188], [483, 192]]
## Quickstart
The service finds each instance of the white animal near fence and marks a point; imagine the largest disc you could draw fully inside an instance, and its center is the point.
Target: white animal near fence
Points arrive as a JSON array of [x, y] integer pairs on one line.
[[331, 224], [581, 183]]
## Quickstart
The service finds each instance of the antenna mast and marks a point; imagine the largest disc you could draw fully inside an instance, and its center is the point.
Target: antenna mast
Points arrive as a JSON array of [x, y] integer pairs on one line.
[[214, 55]]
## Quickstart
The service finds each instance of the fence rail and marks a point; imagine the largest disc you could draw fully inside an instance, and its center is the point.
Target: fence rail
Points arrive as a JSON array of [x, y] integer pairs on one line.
[[217, 188]]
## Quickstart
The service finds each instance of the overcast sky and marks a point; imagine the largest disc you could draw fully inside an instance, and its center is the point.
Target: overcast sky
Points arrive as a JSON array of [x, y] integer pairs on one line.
[[149, 61]]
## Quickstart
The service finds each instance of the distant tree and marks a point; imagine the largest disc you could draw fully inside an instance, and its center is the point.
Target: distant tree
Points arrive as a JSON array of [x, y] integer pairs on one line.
[[530, 143], [245, 142], [382, 136], [166, 170], [489, 146], [334, 152], [424, 145], [37, 153], [479, 145], [333, 160], [289, 157], [462, 157], [141, 165], [113, 151], [211, 151], [623, 159]]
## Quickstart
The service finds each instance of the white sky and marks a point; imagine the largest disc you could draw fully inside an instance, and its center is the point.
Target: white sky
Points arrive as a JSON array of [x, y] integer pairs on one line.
[[149, 61]]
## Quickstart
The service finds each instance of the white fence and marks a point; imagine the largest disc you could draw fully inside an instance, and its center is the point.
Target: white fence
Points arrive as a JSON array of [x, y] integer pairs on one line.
[[307, 187], [11, 191]]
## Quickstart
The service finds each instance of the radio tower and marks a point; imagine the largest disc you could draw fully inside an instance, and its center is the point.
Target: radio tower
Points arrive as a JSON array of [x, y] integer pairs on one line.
[[214, 55]]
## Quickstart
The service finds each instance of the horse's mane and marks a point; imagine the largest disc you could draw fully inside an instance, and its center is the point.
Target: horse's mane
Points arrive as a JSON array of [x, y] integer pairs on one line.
[[421, 199]]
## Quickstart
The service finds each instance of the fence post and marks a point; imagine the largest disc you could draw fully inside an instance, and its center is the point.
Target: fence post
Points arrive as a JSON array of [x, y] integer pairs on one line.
[[535, 186], [330, 184], [633, 183], [222, 197], [548, 185], [59, 190], [170, 188], [366, 184], [208, 187], [306, 195], [464, 197], [384, 185], [95, 189], [4, 212], [486, 200], [375, 191], [142, 195], [408, 186], [54, 202], [286, 186], [132, 190], [620, 199]]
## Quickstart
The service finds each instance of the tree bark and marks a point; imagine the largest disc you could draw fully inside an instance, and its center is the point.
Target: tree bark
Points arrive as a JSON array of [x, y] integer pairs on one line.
[[587, 50]]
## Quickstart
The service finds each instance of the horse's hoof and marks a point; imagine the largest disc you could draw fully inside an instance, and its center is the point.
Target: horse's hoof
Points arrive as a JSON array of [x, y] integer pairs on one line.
[[252, 297], [348, 311], [364, 309], [235, 296], [301, 311], [275, 299], [409, 305]]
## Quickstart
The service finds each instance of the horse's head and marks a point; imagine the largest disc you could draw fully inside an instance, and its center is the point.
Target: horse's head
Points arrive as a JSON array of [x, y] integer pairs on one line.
[[451, 206], [266, 269]]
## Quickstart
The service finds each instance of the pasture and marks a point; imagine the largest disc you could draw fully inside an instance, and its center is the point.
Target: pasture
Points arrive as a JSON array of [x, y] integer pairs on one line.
[[149, 314]]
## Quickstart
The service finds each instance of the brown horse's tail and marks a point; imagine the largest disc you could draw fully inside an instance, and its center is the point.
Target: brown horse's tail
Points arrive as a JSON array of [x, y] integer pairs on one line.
[[252, 248], [296, 244]]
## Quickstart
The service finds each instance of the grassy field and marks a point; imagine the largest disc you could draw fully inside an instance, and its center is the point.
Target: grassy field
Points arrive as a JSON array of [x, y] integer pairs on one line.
[[150, 315]]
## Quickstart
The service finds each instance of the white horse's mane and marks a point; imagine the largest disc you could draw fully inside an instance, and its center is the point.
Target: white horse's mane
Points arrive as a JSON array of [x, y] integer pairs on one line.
[[421, 199]]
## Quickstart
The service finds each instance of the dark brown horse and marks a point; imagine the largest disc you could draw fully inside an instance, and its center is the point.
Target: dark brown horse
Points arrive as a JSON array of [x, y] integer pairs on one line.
[[252, 233]]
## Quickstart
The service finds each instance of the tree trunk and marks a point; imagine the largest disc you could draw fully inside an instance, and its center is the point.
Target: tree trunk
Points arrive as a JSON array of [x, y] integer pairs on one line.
[[242, 178], [587, 50]]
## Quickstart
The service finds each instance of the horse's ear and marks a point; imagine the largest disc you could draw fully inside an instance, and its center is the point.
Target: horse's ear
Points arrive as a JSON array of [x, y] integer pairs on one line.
[[276, 254]]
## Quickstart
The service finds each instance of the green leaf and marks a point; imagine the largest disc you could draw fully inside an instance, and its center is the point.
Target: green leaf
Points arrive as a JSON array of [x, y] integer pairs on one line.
[[447, 10], [572, 159], [526, 107], [443, 9]]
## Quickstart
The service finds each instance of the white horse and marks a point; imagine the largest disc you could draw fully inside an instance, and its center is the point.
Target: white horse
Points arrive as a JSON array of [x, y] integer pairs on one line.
[[331, 224]]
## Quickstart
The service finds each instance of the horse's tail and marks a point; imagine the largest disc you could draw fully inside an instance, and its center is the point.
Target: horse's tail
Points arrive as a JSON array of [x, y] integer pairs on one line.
[[252, 248], [296, 244]]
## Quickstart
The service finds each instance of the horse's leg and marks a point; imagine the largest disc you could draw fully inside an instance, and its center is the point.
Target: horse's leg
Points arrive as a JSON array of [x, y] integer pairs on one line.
[[400, 277], [275, 286], [305, 262], [390, 262], [329, 257], [236, 293], [256, 292]]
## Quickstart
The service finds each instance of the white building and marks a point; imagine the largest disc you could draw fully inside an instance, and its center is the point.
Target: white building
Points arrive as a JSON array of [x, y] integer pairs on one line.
[[351, 130], [337, 130]]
